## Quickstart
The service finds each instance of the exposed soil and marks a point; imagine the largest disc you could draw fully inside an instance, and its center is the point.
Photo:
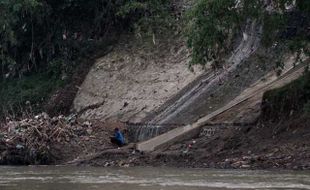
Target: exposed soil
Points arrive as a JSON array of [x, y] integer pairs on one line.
[[61, 101], [136, 77], [139, 79], [283, 146], [270, 143]]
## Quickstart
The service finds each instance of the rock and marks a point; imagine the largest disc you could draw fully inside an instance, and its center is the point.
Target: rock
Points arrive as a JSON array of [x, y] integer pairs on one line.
[[126, 166], [305, 167], [276, 150], [288, 165], [211, 165], [246, 158], [89, 131], [295, 167], [87, 124], [239, 164], [270, 154], [245, 166]]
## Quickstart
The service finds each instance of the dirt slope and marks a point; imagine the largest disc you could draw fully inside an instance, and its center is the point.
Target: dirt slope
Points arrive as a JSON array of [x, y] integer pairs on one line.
[[134, 79]]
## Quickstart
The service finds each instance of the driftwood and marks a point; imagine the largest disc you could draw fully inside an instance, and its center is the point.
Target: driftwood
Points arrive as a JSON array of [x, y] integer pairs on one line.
[[31, 139]]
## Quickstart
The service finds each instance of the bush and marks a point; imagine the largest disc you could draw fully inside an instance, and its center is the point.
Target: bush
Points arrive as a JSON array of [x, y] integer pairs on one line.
[[307, 108], [212, 24], [288, 101], [27, 94], [34, 32], [41, 41]]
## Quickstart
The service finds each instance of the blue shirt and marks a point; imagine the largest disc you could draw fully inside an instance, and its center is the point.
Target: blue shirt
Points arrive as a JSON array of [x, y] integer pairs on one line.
[[119, 136]]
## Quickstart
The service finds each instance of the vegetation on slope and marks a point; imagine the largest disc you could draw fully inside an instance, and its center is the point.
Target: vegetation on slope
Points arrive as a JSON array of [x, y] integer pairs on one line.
[[40, 32], [213, 24], [290, 101], [42, 41]]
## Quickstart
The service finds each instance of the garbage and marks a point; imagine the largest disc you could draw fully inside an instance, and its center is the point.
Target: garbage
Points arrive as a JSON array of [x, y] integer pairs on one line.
[[19, 146], [31, 138], [87, 124]]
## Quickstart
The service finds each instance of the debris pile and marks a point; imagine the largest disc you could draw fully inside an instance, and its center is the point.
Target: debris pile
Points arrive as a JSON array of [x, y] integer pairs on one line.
[[31, 141]]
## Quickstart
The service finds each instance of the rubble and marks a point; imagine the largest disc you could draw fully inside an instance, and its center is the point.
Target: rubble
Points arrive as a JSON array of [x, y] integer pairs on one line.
[[71, 141], [29, 141]]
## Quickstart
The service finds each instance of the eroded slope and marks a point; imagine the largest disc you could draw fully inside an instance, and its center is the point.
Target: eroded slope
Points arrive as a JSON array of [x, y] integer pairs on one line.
[[134, 79]]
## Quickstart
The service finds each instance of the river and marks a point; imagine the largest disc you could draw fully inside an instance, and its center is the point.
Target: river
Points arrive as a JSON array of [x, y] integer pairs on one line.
[[91, 178]]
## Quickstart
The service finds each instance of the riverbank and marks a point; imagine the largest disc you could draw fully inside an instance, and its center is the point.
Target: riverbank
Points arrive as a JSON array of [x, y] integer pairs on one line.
[[52, 140], [279, 139], [285, 146], [69, 141]]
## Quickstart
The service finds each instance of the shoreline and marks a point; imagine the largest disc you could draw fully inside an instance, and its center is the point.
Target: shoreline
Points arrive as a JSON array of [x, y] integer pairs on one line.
[[61, 141]]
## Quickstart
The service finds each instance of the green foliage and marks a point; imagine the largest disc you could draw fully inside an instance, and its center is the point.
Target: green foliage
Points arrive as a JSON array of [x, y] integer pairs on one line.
[[153, 15], [31, 91], [40, 38], [132, 7], [35, 32], [10, 25], [272, 25], [211, 25], [292, 99], [304, 5]]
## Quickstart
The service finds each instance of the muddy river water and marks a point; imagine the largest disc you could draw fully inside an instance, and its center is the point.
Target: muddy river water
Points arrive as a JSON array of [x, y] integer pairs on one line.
[[90, 178]]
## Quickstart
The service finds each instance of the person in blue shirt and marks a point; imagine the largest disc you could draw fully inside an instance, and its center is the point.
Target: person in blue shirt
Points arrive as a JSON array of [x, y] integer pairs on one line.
[[118, 138]]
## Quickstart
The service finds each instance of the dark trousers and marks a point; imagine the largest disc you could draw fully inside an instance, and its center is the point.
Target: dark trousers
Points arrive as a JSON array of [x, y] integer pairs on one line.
[[116, 141]]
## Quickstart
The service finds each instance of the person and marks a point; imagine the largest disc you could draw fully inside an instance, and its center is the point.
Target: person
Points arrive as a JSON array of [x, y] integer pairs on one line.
[[118, 138]]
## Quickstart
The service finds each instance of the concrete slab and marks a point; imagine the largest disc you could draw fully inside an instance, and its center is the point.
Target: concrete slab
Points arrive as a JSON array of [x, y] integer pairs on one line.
[[192, 130]]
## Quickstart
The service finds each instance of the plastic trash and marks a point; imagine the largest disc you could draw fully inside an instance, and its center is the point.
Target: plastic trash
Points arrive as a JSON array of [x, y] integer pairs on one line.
[[19, 146]]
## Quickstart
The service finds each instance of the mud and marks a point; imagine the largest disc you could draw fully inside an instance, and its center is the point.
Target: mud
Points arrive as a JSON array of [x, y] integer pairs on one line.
[[282, 146]]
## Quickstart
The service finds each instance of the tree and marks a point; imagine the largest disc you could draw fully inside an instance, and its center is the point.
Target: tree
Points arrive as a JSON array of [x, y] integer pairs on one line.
[[41, 40], [212, 24]]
